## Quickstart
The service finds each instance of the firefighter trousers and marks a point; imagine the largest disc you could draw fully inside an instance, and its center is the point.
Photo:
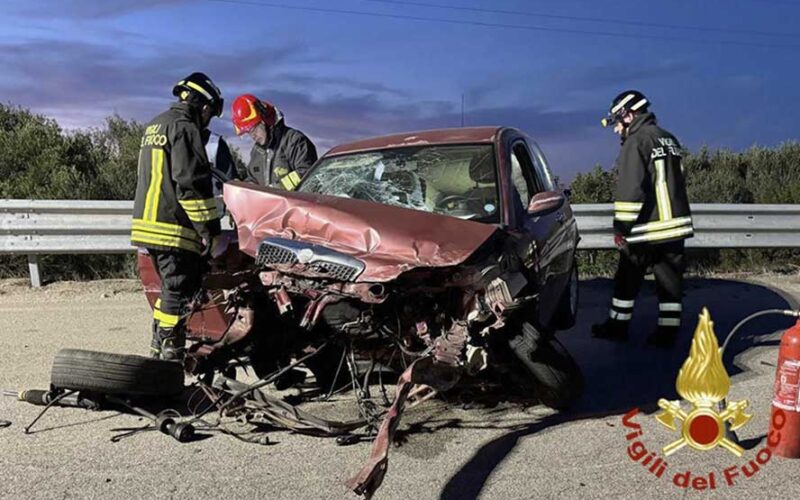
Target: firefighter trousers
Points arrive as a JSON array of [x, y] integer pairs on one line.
[[180, 272], [667, 263]]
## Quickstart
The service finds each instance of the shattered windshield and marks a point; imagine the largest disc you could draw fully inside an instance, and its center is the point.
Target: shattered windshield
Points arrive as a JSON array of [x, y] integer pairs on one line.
[[459, 181]]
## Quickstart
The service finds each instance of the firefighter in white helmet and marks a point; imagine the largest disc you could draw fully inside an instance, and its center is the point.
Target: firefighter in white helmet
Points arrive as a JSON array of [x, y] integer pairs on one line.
[[652, 219], [175, 216]]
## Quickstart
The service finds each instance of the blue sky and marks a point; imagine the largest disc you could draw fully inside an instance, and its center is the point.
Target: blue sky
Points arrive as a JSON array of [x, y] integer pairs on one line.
[[722, 73]]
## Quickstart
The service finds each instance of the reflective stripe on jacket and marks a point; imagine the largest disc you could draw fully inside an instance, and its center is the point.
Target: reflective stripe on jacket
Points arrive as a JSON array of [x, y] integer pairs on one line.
[[651, 202], [174, 205]]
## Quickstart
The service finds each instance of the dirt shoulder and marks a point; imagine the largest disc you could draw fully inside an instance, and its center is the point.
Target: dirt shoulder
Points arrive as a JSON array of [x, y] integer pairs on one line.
[[19, 290]]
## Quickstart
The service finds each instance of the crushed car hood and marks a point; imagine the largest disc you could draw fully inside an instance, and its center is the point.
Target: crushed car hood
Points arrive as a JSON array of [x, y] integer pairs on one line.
[[389, 240]]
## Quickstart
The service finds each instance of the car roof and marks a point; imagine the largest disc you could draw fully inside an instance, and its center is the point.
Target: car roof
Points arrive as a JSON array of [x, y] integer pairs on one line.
[[468, 135]]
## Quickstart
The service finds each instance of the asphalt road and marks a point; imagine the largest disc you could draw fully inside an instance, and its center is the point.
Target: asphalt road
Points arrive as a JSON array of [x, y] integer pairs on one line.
[[508, 451]]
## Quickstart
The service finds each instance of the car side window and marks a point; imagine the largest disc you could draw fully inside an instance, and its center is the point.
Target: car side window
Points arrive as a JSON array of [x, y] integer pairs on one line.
[[518, 181], [542, 168], [522, 174]]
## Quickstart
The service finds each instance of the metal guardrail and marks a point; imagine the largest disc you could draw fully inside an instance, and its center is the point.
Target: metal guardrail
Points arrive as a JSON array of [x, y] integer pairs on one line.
[[716, 226], [65, 226], [40, 227]]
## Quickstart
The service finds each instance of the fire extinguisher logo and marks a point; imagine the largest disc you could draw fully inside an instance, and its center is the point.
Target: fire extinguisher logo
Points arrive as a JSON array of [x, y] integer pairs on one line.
[[703, 381]]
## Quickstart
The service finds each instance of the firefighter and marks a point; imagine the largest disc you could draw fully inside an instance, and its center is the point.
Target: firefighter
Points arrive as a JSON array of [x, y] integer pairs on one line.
[[175, 217], [281, 155], [652, 219]]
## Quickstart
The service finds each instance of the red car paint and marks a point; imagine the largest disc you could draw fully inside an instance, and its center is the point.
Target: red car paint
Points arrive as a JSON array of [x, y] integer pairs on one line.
[[211, 321], [471, 135], [389, 240]]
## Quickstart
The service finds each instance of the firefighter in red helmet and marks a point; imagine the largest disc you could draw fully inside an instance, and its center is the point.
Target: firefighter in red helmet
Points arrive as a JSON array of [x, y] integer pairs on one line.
[[281, 155]]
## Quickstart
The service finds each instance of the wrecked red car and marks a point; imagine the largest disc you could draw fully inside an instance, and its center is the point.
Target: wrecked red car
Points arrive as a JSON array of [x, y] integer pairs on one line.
[[439, 256]]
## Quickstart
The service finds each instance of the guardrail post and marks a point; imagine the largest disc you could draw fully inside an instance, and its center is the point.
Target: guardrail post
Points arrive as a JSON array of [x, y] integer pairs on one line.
[[33, 268]]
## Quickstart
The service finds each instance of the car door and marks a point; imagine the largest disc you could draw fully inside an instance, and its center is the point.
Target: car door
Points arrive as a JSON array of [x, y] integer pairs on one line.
[[568, 231], [549, 232]]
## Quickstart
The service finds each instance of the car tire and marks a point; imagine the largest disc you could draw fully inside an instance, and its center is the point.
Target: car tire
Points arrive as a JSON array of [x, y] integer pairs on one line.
[[567, 312], [555, 376], [110, 373]]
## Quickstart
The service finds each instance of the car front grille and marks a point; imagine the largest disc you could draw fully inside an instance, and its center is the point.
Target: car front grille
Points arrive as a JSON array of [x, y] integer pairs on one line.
[[274, 254], [339, 272], [316, 259]]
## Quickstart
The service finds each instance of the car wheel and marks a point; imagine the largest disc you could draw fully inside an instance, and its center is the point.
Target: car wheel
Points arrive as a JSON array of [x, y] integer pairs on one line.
[[567, 312], [556, 378], [109, 373]]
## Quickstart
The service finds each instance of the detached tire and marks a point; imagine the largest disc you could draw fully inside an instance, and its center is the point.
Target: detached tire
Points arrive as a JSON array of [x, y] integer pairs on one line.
[[109, 373], [556, 378]]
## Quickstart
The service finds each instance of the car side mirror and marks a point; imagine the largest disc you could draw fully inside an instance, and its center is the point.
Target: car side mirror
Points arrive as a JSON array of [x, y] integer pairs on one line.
[[546, 202]]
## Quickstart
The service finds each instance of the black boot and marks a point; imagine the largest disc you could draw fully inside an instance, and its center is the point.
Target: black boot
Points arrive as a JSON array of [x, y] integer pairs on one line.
[[663, 336], [612, 329], [172, 343], [155, 342]]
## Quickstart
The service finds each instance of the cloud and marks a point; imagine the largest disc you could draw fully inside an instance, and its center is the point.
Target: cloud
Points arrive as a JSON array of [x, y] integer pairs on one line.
[[571, 139], [341, 118], [317, 81], [621, 74], [85, 9], [89, 81], [81, 83], [746, 82]]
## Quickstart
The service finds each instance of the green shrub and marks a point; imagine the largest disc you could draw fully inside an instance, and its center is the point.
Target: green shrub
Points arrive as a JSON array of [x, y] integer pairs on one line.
[[38, 160], [757, 175]]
